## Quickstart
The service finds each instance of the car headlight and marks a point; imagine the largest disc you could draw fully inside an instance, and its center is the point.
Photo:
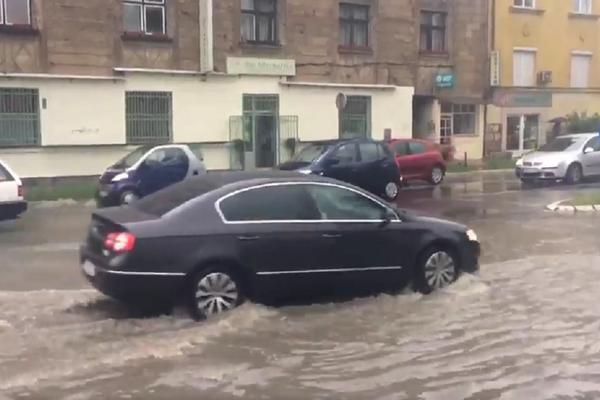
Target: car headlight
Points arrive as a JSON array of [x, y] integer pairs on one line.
[[472, 235], [519, 162], [120, 177], [305, 171]]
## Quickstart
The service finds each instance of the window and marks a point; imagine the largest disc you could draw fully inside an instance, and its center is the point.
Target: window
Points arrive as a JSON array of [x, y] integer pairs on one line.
[[580, 70], [167, 157], [146, 16], [582, 6], [345, 154], [433, 32], [401, 148], [148, 117], [270, 203], [594, 143], [462, 118], [416, 147], [524, 68], [354, 25], [339, 204], [15, 12], [259, 21], [19, 117], [524, 3], [369, 152], [355, 118]]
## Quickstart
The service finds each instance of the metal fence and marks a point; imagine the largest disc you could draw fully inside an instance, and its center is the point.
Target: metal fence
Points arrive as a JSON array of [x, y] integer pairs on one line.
[[149, 117], [288, 137], [19, 117]]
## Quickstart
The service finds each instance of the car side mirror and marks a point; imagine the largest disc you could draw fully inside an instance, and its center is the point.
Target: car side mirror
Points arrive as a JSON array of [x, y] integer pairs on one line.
[[588, 150]]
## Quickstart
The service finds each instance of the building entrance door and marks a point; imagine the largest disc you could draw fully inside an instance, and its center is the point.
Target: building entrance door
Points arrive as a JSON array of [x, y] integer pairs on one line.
[[446, 129], [522, 133], [261, 133]]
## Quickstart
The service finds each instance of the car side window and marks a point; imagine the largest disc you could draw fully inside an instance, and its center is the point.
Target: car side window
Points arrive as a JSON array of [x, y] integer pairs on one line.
[[416, 148], [270, 203], [369, 152], [341, 204], [594, 143], [345, 154], [5, 175], [401, 148]]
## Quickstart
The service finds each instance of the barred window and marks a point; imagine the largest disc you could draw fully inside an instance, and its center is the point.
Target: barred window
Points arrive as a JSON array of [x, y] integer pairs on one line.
[[355, 118], [19, 117], [149, 117], [146, 16], [15, 12]]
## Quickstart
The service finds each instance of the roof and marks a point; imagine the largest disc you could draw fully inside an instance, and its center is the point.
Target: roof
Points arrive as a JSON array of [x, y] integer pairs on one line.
[[165, 200]]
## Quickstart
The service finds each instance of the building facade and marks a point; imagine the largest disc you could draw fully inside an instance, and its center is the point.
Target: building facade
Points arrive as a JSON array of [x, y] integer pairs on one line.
[[545, 66], [452, 73]]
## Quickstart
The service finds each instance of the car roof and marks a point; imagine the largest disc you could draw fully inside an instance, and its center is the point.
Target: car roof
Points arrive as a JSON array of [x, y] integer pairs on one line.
[[165, 200]]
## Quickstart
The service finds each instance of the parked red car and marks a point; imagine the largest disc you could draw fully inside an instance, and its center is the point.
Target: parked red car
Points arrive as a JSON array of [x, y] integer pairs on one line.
[[419, 160]]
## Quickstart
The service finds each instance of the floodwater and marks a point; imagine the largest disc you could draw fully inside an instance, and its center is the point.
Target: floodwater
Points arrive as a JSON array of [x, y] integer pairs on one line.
[[527, 327]]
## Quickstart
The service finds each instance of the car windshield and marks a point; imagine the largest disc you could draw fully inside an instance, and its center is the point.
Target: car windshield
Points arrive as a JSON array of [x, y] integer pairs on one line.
[[130, 159], [311, 153], [558, 144]]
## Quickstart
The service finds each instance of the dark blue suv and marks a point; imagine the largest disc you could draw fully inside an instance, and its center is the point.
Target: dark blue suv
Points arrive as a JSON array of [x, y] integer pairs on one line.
[[365, 163]]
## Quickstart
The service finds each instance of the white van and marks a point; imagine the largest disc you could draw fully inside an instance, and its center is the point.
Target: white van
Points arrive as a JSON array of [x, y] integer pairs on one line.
[[12, 202]]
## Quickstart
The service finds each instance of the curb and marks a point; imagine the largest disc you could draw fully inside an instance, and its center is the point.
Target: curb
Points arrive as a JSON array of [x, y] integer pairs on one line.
[[560, 208]]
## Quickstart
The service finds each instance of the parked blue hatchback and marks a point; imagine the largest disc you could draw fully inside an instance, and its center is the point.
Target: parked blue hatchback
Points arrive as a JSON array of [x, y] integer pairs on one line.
[[365, 163], [147, 170]]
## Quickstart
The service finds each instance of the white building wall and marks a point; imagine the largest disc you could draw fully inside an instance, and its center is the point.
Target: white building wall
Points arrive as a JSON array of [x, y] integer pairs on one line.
[[86, 118]]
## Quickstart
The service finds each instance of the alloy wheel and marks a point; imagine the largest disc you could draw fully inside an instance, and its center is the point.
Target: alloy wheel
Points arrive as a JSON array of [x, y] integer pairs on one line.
[[391, 190], [217, 292], [129, 197], [440, 270], [437, 175]]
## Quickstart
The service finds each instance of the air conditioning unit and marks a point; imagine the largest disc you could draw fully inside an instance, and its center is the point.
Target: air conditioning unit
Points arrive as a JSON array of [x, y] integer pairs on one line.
[[544, 77]]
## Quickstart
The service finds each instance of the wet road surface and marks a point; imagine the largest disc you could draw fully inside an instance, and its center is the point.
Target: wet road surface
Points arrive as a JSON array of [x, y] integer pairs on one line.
[[526, 328]]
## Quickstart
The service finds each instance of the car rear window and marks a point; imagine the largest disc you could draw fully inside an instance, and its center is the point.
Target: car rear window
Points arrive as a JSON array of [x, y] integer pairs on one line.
[[5, 175]]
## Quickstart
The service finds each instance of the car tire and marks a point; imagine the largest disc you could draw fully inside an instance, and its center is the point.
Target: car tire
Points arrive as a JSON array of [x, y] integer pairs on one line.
[[437, 268], [574, 174], [437, 175], [128, 197], [391, 191], [214, 290]]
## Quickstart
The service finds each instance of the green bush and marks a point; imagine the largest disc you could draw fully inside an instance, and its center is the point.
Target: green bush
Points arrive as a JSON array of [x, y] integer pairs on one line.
[[582, 123]]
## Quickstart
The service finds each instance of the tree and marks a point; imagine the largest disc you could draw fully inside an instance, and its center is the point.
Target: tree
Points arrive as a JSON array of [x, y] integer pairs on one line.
[[582, 123]]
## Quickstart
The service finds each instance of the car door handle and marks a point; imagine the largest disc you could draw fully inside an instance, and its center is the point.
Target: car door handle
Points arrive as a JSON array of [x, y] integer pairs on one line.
[[248, 238], [331, 235]]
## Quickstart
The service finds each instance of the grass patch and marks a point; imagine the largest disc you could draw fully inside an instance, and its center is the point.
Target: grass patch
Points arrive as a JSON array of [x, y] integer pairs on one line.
[[587, 199], [460, 167], [499, 163], [75, 192]]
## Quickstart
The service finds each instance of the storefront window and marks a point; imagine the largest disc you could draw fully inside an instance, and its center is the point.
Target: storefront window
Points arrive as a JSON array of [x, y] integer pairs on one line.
[[457, 119]]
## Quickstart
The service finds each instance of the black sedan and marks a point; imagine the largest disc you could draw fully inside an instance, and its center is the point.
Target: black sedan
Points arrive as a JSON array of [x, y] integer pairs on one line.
[[217, 240]]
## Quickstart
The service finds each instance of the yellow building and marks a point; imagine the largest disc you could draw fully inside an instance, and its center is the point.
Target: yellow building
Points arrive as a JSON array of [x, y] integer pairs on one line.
[[545, 64]]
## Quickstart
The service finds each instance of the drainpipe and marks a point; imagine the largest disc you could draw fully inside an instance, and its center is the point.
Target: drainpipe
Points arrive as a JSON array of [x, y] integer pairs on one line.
[[206, 41]]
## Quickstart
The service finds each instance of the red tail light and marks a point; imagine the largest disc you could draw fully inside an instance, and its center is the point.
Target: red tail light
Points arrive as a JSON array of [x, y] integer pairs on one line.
[[20, 191], [120, 242]]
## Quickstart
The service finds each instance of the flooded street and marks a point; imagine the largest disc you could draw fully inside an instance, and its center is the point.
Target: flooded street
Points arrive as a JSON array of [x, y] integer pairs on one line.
[[526, 328]]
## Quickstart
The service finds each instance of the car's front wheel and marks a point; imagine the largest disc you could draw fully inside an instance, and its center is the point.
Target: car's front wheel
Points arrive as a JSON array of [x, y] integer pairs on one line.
[[391, 191], [574, 174], [437, 268], [437, 175], [128, 197], [214, 290]]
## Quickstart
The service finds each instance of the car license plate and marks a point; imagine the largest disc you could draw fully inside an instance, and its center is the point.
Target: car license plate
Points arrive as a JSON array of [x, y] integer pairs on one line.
[[89, 268], [531, 170]]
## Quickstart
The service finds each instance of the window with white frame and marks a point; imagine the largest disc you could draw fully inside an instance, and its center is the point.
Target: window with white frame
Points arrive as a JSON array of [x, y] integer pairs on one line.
[[524, 3], [582, 6], [524, 67], [144, 16], [580, 69], [462, 118], [15, 12]]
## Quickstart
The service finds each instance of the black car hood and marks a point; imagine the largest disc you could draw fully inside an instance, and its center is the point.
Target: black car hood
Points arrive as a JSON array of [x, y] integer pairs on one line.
[[110, 173], [412, 216], [293, 165]]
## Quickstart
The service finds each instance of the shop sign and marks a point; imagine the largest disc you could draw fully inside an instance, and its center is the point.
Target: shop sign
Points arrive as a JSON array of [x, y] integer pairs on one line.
[[523, 99], [495, 68], [260, 66], [444, 81]]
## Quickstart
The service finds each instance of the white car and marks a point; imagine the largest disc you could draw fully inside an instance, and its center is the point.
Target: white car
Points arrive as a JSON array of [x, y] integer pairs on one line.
[[12, 202], [568, 158]]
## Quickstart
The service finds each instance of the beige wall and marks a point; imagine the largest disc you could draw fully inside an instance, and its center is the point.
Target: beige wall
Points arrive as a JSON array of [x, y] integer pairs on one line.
[[89, 114]]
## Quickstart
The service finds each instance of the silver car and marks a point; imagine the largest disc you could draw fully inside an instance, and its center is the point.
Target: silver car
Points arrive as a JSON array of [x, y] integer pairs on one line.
[[568, 158]]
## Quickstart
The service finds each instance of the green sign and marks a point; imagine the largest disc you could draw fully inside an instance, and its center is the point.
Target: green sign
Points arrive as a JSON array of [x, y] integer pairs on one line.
[[444, 80]]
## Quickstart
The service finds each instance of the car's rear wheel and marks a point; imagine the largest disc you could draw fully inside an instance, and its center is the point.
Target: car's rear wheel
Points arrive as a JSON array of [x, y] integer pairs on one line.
[[128, 197], [213, 291], [574, 174], [391, 191], [437, 175], [438, 268]]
